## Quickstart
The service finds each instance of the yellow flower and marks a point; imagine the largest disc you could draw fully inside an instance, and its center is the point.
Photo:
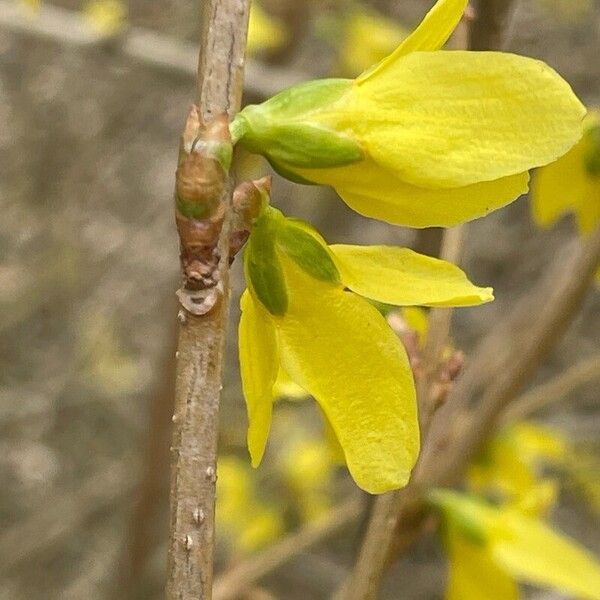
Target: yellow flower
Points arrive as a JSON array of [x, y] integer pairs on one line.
[[308, 469], [490, 548], [508, 468], [572, 183], [107, 17], [264, 32], [297, 315], [367, 38], [31, 6], [425, 137], [247, 521]]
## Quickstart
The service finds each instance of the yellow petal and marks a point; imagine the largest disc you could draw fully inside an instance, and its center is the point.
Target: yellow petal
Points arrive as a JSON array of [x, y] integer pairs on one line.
[[284, 387], [403, 277], [433, 32], [473, 575], [449, 119], [533, 552], [561, 187], [376, 192], [340, 349], [259, 365], [264, 32], [524, 547], [368, 37]]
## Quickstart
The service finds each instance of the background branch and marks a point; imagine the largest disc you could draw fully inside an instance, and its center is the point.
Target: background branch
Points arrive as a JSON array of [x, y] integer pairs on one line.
[[148, 47], [243, 576], [553, 391]]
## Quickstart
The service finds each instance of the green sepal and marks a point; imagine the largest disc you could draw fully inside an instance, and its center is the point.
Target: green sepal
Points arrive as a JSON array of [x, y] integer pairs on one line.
[[286, 131], [289, 175], [302, 145], [308, 252], [592, 158], [301, 99], [263, 268]]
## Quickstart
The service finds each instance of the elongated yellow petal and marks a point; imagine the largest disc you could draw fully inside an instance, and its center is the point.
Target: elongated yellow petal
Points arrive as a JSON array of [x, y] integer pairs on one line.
[[259, 365], [449, 119], [433, 32], [533, 552], [376, 192], [473, 575], [403, 277], [558, 187], [340, 349]]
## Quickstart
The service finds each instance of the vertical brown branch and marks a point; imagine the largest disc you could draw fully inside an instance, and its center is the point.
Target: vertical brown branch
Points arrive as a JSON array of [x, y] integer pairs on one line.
[[202, 336]]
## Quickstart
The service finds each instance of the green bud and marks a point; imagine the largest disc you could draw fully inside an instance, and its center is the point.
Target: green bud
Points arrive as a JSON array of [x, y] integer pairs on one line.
[[287, 131], [592, 158], [263, 268]]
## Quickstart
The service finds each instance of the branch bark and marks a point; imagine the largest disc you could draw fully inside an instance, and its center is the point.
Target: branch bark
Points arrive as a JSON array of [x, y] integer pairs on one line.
[[202, 336]]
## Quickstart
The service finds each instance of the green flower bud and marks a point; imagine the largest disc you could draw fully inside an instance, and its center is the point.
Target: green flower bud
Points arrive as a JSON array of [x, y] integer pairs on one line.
[[282, 128]]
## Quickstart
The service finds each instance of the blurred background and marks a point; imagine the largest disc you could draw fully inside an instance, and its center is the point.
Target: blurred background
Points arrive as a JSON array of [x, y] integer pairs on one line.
[[92, 100]]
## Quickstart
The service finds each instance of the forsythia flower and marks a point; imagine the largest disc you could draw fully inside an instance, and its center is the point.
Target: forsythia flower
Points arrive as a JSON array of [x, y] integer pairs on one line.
[[508, 467], [491, 547], [247, 521], [426, 137], [264, 32], [368, 37], [106, 16], [31, 6], [298, 315], [308, 469], [572, 183]]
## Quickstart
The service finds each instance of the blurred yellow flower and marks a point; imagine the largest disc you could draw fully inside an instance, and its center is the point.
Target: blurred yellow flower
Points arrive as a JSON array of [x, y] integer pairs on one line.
[[367, 38], [572, 183], [308, 469], [425, 137], [31, 6], [107, 17], [248, 522], [509, 466], [264, 32], [490, 548]]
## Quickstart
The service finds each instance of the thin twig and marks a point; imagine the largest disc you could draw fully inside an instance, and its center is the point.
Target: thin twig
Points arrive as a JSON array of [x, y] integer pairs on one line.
[[378, 538], [142, 45], [562, 303], [479, 30], [202, 336], [243, 576], [552, 307], [584, 372]]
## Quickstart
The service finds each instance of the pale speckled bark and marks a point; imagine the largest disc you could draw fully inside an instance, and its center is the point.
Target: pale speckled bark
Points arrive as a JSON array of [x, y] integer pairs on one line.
[[201, 338]]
